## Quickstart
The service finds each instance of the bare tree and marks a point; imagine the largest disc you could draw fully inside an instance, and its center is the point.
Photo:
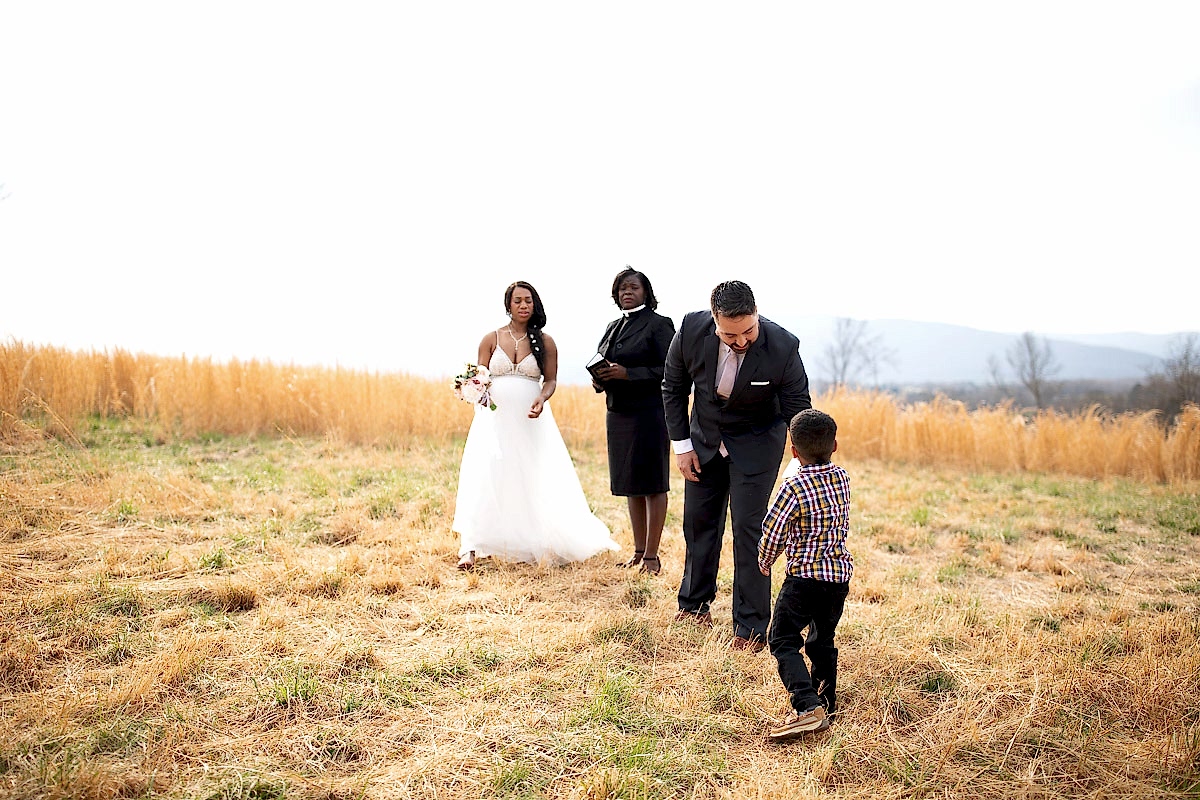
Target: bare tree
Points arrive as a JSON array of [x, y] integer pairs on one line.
[[996, 373], [1181, 367], [854, 352], [1035, 366]]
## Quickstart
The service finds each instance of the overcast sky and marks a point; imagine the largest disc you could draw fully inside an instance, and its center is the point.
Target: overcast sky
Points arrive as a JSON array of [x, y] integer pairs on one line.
[[358, 182]]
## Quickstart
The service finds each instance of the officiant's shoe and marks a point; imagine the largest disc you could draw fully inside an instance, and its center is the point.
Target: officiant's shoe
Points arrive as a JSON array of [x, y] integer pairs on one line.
[[742, 643], [633, 562], [467, 562], [701, 618]]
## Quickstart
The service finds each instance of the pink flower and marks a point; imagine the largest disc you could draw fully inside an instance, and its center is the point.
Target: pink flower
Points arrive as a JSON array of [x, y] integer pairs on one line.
[[474, 385]]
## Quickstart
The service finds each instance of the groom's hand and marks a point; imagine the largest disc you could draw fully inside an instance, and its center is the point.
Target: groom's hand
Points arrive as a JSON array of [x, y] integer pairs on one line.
[[689, 465]]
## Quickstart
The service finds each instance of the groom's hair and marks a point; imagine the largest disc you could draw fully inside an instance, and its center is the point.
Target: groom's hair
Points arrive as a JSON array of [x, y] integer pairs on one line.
[[813, 433], [651, 300], [732, 299]]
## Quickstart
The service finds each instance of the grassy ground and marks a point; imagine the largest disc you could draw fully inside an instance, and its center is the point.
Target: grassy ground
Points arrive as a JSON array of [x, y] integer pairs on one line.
[[235, 618]]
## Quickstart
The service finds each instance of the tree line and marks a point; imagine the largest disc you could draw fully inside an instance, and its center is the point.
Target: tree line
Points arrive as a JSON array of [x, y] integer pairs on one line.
[[1027, 376]]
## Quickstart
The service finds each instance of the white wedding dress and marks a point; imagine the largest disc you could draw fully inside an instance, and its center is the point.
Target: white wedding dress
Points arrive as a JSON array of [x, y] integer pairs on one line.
[[519, 498]]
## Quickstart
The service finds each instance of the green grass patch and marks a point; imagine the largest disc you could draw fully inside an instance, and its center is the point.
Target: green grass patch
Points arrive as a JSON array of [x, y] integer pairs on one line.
[[1101, 649], [117, 737], [634, 633], [638, 593], [953, 572], [250, 787], [294, 684], [1180, 517], [214, 561], [125, 511], [122, 602], [381, 507], [1159, 606], [938, 683], [616, 703]]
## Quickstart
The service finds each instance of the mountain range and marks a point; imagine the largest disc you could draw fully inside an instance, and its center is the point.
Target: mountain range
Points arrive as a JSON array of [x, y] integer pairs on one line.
[[930, 353], [936, 353]]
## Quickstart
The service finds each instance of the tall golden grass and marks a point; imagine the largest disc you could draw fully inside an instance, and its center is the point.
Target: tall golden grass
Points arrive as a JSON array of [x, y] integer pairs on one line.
[[1090, 443], [50, 389]]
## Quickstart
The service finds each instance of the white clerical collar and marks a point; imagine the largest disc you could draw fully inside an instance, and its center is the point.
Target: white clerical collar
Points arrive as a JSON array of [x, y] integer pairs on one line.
[[632, 311]]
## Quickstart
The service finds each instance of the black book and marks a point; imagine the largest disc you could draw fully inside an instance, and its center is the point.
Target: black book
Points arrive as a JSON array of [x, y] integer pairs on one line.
[[594, 363]]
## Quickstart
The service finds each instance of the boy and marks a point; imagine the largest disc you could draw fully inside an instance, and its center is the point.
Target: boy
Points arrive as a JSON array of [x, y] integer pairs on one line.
[[808, 520]]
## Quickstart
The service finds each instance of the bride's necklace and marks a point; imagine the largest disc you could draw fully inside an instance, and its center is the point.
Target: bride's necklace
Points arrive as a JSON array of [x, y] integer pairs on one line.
[[516, 341]]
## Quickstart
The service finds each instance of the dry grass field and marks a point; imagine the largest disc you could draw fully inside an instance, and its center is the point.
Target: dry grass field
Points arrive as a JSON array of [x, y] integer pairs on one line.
[[232, 605]]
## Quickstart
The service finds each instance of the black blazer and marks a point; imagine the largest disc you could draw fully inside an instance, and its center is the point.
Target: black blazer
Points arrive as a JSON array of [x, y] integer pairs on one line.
[[641, 348], [771, 388]]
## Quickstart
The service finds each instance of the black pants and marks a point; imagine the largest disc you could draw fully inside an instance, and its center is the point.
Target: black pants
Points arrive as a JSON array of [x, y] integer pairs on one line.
[[723, 485], [816, 605]]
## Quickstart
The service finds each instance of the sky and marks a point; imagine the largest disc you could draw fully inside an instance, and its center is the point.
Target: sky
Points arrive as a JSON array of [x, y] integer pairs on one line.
[[357, 183]]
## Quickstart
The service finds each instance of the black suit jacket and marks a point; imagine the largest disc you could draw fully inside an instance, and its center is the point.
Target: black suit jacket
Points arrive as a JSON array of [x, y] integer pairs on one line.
[[641, 348], [771, 388]]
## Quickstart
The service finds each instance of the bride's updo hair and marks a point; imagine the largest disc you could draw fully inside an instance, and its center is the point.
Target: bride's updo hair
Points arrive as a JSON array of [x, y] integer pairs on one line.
[[537, 320]]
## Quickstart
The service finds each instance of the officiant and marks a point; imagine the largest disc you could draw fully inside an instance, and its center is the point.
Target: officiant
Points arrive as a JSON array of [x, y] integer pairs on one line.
[[629, 370]]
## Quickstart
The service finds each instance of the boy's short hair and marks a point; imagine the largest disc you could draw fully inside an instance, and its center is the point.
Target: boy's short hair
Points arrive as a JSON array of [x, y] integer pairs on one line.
[[813, 433]]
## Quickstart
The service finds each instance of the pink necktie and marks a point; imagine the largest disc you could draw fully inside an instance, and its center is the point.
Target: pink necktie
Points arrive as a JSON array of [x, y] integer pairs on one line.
[[728, 374]]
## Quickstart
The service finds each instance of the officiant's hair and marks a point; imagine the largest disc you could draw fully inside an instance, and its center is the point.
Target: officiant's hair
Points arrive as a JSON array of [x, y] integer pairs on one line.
[[651, 300], [537, 320], [814, 434], [732, 299]]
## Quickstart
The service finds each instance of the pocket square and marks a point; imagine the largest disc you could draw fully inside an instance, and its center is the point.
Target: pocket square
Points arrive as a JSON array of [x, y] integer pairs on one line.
[[760, 383]]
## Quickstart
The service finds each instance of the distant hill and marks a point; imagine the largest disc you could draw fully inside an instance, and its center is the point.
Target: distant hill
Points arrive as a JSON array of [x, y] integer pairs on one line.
[[935, 353], [927, 352], [1155, 344]]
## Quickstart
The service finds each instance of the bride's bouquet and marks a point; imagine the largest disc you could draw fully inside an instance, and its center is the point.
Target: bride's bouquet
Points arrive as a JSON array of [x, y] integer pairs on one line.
[[475, 386]]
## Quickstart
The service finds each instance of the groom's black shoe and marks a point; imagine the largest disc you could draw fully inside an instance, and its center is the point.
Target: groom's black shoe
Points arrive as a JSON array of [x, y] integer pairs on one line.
[[701, 618]]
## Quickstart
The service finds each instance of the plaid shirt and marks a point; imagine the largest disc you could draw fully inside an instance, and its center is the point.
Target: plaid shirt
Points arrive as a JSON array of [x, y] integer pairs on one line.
[[808, 520]]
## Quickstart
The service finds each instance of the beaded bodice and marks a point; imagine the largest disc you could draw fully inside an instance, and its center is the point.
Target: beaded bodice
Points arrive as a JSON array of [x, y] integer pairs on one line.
[[501, 364]]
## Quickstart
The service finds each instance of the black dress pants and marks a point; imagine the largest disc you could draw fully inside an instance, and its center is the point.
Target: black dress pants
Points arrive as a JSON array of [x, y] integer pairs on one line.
[[722, 485], [816, 605]]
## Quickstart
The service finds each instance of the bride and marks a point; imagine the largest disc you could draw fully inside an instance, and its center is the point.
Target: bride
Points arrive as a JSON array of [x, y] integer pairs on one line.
[[518, 496]]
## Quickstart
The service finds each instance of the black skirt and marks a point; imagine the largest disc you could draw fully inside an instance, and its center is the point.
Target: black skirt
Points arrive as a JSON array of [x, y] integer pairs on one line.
[[638, 452]]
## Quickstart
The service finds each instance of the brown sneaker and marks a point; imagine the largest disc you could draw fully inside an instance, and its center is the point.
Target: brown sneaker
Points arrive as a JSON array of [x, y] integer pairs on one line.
[[794, 724], [701, 618]]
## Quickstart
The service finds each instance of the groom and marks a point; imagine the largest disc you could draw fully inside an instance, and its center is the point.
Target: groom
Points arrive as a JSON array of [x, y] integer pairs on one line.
[[748, 382]]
